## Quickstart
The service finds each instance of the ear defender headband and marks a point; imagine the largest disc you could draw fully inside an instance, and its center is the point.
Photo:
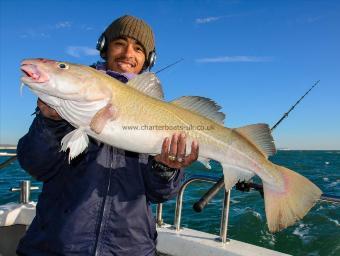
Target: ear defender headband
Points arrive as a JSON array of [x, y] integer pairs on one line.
[[102, 47]]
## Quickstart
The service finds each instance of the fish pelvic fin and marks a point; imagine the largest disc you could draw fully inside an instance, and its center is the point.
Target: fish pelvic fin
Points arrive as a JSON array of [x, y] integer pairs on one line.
[[76, 141], [291, 202], [205, 162], [233, 174], [260, 135], [104, 115]]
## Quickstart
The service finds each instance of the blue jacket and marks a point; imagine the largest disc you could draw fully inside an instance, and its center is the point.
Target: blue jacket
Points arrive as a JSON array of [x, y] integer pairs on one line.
[[99, 204]]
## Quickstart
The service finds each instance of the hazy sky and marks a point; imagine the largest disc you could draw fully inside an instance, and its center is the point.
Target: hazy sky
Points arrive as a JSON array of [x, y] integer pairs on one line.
[[254, 58]]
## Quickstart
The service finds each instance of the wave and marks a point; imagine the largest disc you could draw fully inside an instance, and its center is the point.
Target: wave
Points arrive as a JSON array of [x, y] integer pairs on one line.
[[302, 231], [334, 221]]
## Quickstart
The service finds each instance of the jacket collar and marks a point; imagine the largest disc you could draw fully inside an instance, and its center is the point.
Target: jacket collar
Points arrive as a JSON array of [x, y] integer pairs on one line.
[[123, 77]]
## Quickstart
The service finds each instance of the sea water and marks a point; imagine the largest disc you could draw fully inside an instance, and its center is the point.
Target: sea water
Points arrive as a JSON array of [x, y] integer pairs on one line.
[[318, 233]]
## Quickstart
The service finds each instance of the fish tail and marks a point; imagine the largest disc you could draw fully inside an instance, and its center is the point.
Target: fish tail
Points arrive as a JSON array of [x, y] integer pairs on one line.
[[291, 202]]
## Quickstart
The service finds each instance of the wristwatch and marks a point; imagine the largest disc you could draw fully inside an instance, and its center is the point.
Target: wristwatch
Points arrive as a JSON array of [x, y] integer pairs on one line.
[[163, 170]]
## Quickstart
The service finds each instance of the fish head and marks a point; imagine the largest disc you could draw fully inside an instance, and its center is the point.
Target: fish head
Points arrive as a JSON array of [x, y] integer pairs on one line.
[[52, 80]]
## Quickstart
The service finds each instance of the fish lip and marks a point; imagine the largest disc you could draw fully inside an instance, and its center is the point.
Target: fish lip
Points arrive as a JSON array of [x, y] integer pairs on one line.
[[28, 69], [29, 81]]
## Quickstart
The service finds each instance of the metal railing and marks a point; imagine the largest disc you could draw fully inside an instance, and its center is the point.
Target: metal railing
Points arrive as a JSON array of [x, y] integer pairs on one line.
[[179, 205], [25, 191], [25, 187], [226, 203]]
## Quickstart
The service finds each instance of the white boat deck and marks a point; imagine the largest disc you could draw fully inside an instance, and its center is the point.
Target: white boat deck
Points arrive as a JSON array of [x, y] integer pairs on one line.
[[191, 242], [186, 242]]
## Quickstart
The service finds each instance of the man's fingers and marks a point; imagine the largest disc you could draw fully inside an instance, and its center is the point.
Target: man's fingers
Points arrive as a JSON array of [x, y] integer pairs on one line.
[[178, 151], [165, 150], [165, 145], [195, 149], [47, 111], [41, 105], [181, 147], [193, 156], [173, 145]]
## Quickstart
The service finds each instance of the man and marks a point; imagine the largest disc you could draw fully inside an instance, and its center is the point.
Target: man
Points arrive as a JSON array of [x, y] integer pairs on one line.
[[99, 204]]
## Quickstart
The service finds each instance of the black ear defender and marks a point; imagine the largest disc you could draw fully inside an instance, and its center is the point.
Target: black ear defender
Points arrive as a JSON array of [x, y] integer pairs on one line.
[[101, 43], [151, 59]]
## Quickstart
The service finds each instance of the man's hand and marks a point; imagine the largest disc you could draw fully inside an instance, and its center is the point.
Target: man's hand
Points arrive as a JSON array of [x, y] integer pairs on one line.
[[47, 111], [175, 157]]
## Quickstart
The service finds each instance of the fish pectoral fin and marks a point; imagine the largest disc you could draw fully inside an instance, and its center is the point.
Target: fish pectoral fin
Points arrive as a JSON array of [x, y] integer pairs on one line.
[[233, 174], [107, 113], [77, 141], [205, 162]]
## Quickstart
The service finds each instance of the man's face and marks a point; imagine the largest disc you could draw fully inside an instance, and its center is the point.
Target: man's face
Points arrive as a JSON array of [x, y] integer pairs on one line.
[[125, 55]]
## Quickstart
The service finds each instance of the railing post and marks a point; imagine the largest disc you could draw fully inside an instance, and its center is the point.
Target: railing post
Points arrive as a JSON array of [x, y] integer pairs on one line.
[[25, 191], [225, 216], [159, 214], [178, 210]]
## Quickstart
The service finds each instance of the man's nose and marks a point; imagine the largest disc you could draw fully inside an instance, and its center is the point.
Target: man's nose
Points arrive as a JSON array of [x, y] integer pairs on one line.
[[129, 50]]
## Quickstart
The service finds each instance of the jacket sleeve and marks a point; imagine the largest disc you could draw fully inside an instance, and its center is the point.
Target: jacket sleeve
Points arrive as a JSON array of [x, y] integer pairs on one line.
[[159, 188], [39, 150]]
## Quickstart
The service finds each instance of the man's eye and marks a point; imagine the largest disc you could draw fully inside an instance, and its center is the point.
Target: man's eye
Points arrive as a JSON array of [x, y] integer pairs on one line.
[[139, 49]]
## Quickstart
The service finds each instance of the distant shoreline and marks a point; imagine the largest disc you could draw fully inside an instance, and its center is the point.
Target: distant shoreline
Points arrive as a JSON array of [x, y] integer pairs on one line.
[[8, 147]]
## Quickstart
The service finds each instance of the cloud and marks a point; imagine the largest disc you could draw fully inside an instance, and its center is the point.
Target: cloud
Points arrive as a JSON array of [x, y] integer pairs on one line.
[[305, 20], [34, 34], [45, 30], [207, 19], [216, 18], [63, 24], [308, 20], [234, 59], [86, 27], [79, 51]]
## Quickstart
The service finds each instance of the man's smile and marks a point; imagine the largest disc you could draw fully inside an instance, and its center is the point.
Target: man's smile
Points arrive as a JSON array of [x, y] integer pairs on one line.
[[126, 64]]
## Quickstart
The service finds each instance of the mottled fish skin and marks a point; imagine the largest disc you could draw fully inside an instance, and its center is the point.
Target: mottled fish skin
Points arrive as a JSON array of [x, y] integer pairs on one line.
[[81, 94]]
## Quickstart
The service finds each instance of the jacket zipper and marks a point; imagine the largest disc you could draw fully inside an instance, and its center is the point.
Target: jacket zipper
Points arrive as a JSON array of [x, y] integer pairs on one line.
[[104, 208]]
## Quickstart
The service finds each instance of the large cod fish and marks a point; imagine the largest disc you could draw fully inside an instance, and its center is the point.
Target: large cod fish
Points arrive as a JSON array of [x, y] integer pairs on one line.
[[102, 107]]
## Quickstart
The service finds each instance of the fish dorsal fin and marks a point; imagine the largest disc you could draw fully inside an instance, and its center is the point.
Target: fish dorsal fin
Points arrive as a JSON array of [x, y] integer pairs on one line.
[[260, 135], [201, 105], [149, 84]]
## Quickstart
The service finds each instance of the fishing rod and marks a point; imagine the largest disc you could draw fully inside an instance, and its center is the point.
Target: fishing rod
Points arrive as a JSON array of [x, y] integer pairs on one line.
[[285, 115], [243, 186], [247, 186], [8, 161], [170, 65]]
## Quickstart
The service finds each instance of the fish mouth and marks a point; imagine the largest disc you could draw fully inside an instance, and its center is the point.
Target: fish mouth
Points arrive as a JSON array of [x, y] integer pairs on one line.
[[32, 74]]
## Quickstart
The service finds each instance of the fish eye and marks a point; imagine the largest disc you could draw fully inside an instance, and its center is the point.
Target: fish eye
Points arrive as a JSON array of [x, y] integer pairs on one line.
[[63, 66]]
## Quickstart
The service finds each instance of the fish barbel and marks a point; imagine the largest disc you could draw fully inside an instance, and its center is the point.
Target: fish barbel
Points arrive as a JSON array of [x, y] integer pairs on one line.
[[135, 117]]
